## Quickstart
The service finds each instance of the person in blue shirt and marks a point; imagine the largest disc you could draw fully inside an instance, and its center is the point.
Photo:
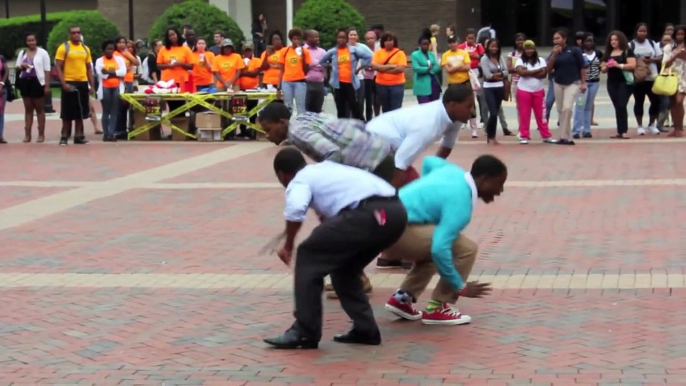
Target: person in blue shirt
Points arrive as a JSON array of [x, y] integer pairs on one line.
[[439, 207], [361, 216]]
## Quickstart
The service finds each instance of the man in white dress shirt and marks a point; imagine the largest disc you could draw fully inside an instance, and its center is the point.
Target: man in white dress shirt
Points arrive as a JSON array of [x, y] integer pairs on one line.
[[411, 130], [362, 216]]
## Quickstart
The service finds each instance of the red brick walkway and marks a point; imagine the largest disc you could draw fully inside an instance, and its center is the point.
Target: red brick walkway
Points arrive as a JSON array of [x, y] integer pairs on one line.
[[117, 213]]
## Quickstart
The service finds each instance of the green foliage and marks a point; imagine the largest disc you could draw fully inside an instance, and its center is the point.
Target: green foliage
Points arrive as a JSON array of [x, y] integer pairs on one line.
[[13, 30], [327, 16], [95, 29], [205, 19]]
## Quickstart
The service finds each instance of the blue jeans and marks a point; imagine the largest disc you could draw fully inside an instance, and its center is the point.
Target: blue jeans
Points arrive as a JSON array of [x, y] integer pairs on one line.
[[297, 90], [2, 116], [584, 109], [110, 110], [391, 97], [549, 100], [209, 89]]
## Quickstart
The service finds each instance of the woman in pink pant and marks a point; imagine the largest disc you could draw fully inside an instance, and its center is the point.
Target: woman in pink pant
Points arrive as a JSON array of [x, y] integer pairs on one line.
[[530, 95]]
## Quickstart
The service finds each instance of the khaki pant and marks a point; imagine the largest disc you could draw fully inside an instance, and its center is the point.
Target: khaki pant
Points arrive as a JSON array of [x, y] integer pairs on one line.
[[415, 246], [566, 96]]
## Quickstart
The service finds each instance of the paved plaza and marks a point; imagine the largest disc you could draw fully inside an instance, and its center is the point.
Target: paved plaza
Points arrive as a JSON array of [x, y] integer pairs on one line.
[[137, 264]]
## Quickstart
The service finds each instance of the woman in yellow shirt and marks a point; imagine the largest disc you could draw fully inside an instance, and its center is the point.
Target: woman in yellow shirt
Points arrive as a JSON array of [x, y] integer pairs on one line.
[[390, 63], [202, 70], [272, 60]]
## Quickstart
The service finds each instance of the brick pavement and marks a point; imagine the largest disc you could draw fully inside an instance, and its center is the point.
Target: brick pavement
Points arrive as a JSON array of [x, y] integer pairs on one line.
[[137, 264]]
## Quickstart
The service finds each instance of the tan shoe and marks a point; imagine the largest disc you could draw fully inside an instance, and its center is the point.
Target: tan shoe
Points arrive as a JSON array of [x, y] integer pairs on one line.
[[366, 284]]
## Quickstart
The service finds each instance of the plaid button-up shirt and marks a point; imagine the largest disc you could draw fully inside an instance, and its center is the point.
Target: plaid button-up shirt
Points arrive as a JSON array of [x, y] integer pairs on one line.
[[325, 137]]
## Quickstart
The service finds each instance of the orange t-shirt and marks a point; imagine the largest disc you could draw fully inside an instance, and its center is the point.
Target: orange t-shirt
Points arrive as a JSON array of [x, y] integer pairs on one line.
[[202, 76], [271, 75], [181, 54], [110, 65], [381, 57], [345, 66], [128, 78], [246, 82], [293, 64], [227, 66]]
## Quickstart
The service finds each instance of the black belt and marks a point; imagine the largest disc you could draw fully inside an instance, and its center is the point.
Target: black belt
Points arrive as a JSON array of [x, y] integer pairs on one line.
[[371, 199]]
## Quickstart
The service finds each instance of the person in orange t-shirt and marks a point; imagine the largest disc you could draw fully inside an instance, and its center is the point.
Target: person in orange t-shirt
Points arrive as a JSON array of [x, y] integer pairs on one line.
[[272, 61], [390, 63], [110, 70], [131, 61], [250, 76], [296, 63], [202, 69], [174, 60], [227, 66], [250, 79]]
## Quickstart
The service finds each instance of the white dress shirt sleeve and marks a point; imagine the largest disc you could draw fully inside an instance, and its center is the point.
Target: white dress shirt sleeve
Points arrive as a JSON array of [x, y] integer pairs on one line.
[[411, 147], [298, 199], [450, 135]]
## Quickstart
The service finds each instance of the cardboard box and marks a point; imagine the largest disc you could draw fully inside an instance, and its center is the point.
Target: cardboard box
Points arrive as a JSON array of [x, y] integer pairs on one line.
[[154, 134], [210, 134], [207, 120], [182, 123]]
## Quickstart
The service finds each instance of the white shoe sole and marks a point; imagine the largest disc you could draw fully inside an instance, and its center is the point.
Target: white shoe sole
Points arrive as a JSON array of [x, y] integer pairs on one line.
[[464, 319], [400, 313]]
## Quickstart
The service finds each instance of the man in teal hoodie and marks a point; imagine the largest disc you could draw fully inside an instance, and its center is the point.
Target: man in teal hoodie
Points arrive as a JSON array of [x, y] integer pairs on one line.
[[439, 207]]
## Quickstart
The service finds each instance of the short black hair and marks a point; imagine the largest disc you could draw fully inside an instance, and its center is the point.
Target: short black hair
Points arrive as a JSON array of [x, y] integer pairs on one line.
[[470, 31], [107, 43], [488, 166], [295, 32], [452, 39], [377, 26], [458, 93], [275, 112], [289, 160]]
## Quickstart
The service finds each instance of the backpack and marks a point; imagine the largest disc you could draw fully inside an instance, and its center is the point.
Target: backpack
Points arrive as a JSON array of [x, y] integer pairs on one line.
[[642, 70], [53, 72]]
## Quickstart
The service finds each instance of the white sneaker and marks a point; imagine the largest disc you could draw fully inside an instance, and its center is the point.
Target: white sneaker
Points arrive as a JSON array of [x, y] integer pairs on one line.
[[641, 130], [654, 130], [523, 141], [475, 134]]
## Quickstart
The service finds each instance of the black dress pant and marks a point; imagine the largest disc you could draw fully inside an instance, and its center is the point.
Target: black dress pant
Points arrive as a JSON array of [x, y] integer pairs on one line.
[[369, 97], [642, 90], [345, 97], [314, 99], [620, 92], [341, 246]]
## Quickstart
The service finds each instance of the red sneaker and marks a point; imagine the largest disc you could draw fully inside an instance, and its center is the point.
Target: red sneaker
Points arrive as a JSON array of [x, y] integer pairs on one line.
[[445, 315], [403, 310]]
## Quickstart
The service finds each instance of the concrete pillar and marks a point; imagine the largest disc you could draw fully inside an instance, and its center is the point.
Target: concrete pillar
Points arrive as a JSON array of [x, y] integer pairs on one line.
[[289, 16], [240, 11]]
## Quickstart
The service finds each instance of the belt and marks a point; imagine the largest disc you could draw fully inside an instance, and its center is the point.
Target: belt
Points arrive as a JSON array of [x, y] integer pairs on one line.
[[372, 199]]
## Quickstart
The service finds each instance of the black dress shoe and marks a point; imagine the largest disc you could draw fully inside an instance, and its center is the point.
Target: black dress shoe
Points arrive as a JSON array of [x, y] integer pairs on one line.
[[292, 339], [353, 336]]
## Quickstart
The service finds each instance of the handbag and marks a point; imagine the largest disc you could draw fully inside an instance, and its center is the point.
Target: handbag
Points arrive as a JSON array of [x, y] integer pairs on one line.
[[628, 77], [666, 83]]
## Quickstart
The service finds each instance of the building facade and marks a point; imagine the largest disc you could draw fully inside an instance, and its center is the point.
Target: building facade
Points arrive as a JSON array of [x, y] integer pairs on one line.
[[536, 18]]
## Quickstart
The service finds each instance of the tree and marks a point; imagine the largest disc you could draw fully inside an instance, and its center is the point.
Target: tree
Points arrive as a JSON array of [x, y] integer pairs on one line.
[[205, 19], [95, 29], [327, 16]]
